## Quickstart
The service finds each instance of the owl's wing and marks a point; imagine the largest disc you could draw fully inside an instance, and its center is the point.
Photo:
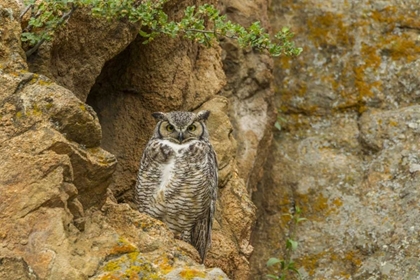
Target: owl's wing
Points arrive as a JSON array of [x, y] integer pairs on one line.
[[201, 233], [143, 185]]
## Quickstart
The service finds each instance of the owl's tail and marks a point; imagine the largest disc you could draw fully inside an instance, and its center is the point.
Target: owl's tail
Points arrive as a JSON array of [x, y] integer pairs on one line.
[[201, 234]]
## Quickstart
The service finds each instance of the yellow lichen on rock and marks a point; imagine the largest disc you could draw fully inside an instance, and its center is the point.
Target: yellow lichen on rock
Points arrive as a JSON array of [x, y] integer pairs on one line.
[[329, 29], [122, 247], [189, 274]]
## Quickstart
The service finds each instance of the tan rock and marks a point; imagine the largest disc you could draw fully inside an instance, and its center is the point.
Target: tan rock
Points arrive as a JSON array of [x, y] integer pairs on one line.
[[12, 57], [76, 56], [249, 90], [18, 266], [59, 219], [235, 213]]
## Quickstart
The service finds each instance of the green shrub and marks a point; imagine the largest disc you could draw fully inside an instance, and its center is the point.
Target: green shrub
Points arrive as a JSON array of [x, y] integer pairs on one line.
[[203, 24]]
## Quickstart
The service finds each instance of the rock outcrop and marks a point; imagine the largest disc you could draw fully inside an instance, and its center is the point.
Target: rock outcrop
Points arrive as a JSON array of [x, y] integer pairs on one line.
[[347, 153], [250, 92], [74, 120]]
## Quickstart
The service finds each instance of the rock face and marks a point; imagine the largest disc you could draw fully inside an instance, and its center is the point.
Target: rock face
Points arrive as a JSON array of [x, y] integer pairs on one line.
[[75, 58], [347, 153], [68, 167], [249, 90]]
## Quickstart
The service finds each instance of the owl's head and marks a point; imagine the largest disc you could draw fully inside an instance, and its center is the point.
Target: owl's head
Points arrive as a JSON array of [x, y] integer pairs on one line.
[[181, 127]]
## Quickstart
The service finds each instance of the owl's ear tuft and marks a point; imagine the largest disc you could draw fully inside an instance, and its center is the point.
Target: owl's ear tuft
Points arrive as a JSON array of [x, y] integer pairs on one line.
[[203, 115], [159, 116]]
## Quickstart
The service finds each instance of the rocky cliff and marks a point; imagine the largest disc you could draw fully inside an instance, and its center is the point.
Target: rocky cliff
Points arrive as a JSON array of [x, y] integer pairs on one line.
[[348, 152], [74, 120]]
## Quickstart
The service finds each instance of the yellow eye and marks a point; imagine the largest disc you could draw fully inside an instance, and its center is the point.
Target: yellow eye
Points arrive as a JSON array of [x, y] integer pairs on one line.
[[192, 128], [170, 127]]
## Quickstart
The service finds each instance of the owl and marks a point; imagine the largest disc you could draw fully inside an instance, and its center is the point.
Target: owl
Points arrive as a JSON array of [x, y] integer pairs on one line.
[[177, 179]]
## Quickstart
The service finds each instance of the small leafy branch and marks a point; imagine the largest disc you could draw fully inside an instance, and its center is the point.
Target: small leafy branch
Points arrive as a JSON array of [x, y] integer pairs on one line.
[[45, 19], [286, 266], [203, 24]]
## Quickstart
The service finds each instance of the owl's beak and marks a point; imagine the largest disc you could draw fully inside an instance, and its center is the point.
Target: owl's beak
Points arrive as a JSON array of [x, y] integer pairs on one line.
[[180, 137]]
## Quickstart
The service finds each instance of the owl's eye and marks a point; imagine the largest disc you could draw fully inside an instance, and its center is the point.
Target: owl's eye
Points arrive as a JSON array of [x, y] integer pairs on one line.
[[170, 127], [192, 128]]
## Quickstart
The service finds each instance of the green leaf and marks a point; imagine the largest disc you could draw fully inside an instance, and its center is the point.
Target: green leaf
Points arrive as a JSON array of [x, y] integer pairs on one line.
[[283, 264], [277, 125], [291, 244], [273, 261], [295, 270], [272, 276], [144, 34], [298, 220]]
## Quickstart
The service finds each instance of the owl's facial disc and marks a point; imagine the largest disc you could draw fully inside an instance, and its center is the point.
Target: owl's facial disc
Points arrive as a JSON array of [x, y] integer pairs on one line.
[[180, 135]]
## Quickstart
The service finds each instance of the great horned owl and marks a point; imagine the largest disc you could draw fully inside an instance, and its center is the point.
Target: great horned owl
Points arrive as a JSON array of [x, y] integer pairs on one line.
[[177, 180]]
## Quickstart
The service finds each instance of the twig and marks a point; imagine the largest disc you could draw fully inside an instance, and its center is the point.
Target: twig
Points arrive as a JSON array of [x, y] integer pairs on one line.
[[214, 32], [34, 48], [26, 10], [66, 16], [199, 31]]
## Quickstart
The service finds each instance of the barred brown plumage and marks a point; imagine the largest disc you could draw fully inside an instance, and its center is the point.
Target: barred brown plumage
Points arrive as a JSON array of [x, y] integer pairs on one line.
[[177, 179]]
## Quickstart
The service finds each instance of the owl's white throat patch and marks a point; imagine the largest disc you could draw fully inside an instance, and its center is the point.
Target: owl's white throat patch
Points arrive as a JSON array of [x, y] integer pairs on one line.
[[168, 168], [177, 147]]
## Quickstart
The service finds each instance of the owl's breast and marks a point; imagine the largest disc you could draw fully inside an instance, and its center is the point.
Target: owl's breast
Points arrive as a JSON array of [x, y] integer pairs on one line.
[[167, 172], [177, 183], [182, 172]]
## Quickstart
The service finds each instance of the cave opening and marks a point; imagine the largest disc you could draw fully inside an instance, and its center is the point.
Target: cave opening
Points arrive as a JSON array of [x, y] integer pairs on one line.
[[124, 118], [142, 79]]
